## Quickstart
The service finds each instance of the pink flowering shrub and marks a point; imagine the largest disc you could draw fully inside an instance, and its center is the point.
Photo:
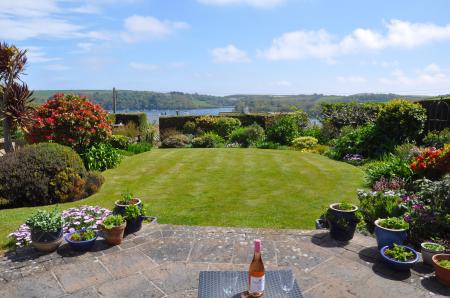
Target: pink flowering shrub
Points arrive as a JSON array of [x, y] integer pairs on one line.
[[77, 218]]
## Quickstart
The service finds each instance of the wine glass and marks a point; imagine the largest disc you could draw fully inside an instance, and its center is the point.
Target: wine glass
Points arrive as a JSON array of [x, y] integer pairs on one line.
[[229, 282], [287, 279]]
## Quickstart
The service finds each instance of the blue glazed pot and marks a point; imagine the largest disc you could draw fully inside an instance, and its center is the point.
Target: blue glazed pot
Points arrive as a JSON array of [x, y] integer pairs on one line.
[[397, 265], [342, 223], [387, 237], [80, 245], [133, 225], [120, 209]]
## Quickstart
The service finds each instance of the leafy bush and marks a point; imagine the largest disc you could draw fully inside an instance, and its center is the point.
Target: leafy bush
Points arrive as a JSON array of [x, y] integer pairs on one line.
[[189, 128], [94, 180], [407, 151], [208, 140], [224, 126], [43, 174], [432, 163], [304, 143], [267, 145], [360, 140], [389, 166], [287, 127], [401, 121], [45, 221], [129, 130], [175, 141], [206, 123], [101, 157], [119, 141], [339, 115], [248, 135], [139, 147], [437, 139], [70, 120], [375, 205], [428, 211]]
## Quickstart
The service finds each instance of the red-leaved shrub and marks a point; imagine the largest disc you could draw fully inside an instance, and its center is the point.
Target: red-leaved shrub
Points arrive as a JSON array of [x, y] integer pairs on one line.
[[70, 120]]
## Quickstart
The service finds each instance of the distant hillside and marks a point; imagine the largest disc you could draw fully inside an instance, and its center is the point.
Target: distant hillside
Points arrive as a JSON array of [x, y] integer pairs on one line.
[[148, 100]]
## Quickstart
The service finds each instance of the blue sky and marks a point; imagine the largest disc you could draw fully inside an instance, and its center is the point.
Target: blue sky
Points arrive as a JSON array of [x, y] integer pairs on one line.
[[233, 46]]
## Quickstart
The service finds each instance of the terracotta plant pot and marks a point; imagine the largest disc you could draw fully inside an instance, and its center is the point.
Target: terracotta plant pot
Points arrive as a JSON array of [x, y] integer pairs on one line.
[[114, 236], [442, 274]]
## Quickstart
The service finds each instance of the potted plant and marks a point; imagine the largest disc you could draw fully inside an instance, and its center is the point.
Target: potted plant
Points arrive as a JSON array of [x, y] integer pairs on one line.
[[113, 227], [46, 230], [399, 257], [126, 200], [441, 265], [390, 230], [134, 217], [429, 249], [81, 240], [342, 220]]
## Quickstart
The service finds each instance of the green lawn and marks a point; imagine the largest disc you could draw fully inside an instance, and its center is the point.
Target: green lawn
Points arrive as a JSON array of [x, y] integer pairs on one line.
[[223, 187]]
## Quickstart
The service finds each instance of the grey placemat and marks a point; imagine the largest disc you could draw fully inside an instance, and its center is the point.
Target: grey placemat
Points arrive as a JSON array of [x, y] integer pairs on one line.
[[209, 286]]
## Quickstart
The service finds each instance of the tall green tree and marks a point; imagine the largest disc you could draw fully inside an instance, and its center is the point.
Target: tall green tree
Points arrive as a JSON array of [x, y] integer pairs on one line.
[[15, 98]]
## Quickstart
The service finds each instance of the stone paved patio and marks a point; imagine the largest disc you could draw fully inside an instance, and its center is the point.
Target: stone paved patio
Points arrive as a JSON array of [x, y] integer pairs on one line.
[[165, 260]]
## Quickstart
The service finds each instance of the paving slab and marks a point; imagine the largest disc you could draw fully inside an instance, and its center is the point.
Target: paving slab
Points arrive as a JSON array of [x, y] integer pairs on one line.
[[165, 261]]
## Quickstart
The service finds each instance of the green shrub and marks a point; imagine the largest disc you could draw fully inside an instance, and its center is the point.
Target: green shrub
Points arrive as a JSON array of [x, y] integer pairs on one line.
[[375, 205], [248, 135], [267, 145], [206, 123], [225, 125], [42, 174], [119, 141], [189, 128], [389, 166], [401, 121], [129, 130], [286, 128], [208, 140], [360, 140], [140, 147], [395, 223], [302, 143], [175, 141], [149, 135], [101, 157], [437, 139]]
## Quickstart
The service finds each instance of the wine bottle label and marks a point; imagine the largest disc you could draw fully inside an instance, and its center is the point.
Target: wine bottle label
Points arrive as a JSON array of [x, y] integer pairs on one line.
[[257, 284]]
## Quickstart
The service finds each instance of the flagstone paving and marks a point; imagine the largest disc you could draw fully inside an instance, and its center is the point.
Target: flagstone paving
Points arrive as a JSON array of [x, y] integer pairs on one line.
[[165, 261]]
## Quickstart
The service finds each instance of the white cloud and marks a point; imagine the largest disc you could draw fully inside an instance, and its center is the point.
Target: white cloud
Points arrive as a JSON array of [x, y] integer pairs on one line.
[[431, 75], [37, 55], [254, 3], [351, 79], [282, 83], [322, 45], [57, 67], [229, 54], [143, 66], [28, 8], [141, 28]]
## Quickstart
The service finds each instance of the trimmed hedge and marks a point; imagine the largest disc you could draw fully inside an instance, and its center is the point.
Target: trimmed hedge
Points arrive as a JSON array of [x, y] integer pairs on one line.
[[140, 119], [178, 122]]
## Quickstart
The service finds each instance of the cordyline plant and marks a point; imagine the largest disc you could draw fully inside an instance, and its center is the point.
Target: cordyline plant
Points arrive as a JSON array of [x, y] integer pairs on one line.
[[15, 98]]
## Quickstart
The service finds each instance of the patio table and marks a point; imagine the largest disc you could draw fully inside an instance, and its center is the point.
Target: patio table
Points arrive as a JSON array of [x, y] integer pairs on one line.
[[210, 285]]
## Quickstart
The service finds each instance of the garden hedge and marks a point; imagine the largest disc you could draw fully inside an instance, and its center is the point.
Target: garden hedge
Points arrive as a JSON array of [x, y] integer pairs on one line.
[[167, 123], [140, 119]]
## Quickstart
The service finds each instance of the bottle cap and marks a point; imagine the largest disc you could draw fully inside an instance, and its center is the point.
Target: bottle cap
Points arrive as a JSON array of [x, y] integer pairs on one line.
[[257, 245]]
